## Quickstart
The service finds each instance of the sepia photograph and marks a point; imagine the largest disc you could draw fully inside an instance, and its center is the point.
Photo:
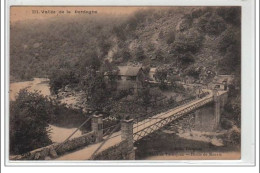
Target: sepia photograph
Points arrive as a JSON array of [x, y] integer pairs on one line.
[[124, 83]]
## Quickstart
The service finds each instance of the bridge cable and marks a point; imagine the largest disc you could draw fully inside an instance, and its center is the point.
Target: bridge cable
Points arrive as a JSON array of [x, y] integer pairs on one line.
[[103, 142], [58, 147], [145, 121]]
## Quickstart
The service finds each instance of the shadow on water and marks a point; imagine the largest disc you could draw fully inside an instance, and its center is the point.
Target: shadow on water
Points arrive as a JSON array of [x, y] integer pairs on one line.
[[160, 143]]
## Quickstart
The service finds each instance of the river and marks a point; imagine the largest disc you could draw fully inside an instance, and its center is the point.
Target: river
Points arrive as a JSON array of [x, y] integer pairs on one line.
[[168, 145], [58, 134]]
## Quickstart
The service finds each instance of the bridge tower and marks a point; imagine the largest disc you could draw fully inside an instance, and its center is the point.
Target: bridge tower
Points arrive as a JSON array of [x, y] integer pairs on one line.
[[217, 111], [127, 136], [97, 127]]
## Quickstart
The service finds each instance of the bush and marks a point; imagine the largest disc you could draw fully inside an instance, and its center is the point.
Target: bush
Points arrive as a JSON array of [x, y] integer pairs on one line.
[[29, 117]]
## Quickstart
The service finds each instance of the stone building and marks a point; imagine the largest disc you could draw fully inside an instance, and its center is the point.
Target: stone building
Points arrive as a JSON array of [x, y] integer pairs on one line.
[[128, 78]]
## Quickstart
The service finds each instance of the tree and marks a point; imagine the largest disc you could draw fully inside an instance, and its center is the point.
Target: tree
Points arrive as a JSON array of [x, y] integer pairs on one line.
[[145, 96], [186, 58], [230, 47], [161, 76], [111, 72], [189, 41], [60, 78], [95, 88], [29, 117], [140, 55], [122, 55]]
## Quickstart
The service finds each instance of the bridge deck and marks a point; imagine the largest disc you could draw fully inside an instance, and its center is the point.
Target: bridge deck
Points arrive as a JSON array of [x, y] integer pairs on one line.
[[115, 138]]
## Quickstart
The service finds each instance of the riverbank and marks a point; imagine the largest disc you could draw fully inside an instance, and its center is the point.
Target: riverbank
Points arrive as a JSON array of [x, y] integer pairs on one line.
[[37, 84], [58, 131], [168, 145]]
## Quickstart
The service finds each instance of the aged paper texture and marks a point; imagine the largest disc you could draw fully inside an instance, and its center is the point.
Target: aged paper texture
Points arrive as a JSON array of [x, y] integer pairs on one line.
[[125, 83]]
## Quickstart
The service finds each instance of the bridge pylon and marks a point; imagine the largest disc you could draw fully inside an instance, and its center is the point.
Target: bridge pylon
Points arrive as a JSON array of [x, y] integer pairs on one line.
[[217, 112], [97, 127], [127, 136]]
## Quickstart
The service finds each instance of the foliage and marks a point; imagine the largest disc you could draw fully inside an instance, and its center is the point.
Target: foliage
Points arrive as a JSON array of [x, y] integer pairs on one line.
[[230, 46], [140, 55], [230, 14], [185, 23], [178, 88], [145, 96], [211, 24], [159, 55], [119, 32], [194, 72], [155, 93], [235, 137], [94, 86], [122, 55], [161, 75], [104, 45], [126, 108], [56, 44], [61, 78], [29, 117], [186, 59], [170, 37], [189, 41], [232, 137], [66, 43]]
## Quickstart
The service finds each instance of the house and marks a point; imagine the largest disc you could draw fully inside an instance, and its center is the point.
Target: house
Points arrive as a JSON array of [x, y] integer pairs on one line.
[[221, 82], [129, 78]]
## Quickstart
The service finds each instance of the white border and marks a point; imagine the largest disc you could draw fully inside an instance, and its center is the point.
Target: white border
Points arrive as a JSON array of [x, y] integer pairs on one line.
[[248, 82]]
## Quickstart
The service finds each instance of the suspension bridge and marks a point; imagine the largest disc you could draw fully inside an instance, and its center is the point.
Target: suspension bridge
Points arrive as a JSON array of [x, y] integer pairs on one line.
[[132, 130]]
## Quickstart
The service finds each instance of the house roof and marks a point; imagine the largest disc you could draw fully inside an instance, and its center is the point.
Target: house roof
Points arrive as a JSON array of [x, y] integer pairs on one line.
[[128, 70]]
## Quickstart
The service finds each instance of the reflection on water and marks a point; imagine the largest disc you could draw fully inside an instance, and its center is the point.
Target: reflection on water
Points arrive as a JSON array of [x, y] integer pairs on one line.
[[163, 145]]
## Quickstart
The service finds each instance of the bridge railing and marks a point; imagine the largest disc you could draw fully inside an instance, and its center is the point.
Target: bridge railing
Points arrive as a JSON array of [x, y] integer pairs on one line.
[[162, 121], [140, 118]]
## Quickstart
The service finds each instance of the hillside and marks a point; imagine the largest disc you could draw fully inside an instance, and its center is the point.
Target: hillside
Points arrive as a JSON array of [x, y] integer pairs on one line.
[[74, 53], [193, 40]]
